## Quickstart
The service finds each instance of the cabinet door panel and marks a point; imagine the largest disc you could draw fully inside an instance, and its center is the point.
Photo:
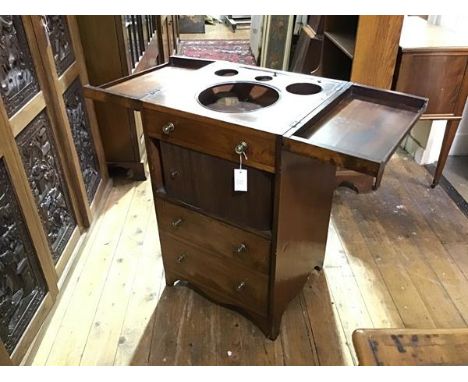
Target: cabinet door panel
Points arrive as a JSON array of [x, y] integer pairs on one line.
[[39, 155], [18, 79], [22, 285], [207, 183], [82, 137]]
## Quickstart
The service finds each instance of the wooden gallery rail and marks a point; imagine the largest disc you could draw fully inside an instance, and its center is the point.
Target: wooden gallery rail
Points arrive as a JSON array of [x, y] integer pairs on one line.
[[52, 170]]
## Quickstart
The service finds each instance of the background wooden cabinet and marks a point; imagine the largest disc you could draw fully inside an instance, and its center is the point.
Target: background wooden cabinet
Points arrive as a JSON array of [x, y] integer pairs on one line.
[[433, 63], [52, 175], [115, 47]]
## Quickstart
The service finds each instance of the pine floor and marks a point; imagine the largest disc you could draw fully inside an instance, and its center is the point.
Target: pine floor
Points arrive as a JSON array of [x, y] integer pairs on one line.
[[397, 257]]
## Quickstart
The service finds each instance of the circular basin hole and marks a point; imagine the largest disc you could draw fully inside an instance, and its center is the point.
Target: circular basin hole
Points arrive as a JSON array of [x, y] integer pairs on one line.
[[238, 97], [226, 72], [263, 78], [304, 88]]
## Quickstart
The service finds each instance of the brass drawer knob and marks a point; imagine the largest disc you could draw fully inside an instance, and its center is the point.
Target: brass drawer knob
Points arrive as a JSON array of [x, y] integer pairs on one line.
[[181, 258], [168, 128], [241, 286], [174, 174], [176, 223], [241, 148], [240, 249]]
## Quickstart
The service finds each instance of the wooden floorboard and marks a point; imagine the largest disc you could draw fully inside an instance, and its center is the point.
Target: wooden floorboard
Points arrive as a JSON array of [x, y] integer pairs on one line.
[[397, 257], [105, 330]]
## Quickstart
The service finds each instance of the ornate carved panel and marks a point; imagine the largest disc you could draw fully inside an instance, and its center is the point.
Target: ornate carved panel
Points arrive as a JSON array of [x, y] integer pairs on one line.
[[22, 285], [60, 41], [79, 122], [18, 82], [37, 147]]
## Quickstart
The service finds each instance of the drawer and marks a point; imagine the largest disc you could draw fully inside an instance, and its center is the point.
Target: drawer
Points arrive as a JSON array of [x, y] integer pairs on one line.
[[207, 183], [225, 280], [219, 140], [238, 245]]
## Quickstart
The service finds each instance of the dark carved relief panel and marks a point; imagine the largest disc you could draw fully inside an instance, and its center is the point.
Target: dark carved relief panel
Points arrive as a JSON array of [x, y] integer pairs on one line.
[[81, 132], [22, 285], [18, 81], [60, 41], [38, 152]]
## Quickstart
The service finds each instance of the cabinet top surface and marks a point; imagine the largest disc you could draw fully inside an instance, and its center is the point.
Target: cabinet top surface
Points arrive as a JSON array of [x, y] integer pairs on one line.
[[275, 109], [417, 34], [349, 124]]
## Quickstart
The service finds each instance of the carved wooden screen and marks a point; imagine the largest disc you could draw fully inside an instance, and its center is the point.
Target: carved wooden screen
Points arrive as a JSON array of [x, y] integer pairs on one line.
[[24, 103], [80, 127], [51, 169], [61, 50], [40, 158], [22, 285], [60, 40], [17, 74]]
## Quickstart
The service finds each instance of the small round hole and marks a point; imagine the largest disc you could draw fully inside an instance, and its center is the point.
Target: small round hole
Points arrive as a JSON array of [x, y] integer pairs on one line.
[[304, 88], [226, 72], [263, 78]]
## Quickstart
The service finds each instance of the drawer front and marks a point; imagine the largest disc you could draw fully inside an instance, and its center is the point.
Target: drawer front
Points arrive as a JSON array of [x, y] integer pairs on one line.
[[217, 140], [240, 246], [207, 183], [227, 281]]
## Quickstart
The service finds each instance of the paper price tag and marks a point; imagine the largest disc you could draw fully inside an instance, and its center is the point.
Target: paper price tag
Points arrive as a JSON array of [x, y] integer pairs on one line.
[[240, 179]]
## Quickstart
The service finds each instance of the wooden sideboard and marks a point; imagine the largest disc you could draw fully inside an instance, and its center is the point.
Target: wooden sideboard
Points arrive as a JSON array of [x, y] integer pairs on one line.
[[253, 247], [433, 63], [52, 171], [114, 47]]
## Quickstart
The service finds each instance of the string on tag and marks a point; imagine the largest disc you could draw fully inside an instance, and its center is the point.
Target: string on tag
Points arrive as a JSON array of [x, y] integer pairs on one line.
[[240, 160]]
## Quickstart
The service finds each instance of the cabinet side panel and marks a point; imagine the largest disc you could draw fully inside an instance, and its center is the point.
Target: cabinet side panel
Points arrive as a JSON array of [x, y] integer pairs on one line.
[[304, 199]]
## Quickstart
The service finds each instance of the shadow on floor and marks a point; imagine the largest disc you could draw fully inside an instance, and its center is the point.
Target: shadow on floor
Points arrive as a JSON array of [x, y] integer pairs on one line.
[[187, 329]]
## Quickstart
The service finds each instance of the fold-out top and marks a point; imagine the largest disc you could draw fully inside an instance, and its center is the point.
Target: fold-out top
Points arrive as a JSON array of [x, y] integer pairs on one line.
[[352, 126]]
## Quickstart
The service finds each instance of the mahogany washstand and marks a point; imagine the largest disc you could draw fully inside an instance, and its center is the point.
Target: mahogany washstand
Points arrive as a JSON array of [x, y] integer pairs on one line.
[[253, 250]]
